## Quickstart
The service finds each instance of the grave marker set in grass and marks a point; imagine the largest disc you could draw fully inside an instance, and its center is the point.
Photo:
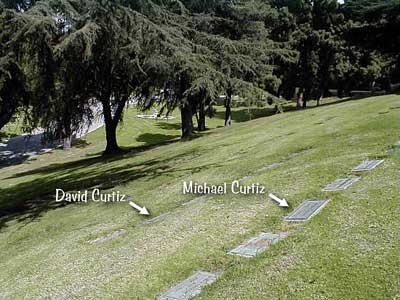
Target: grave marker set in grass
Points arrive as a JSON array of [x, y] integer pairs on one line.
[[367, 165], [268, 167], [108, 237], [156, 218], [258, 244], [344, 183], [190, 287], [340, 184], [394, 149], [306, 210], [197, 199]]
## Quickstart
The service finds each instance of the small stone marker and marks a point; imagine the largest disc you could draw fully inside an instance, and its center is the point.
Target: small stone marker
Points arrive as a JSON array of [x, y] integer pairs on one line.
[[340, 184], [367, 166], [306, 210], [163, 215], [109, 236], [190, 287], [268, 167], [298, 153], [395, 150], [258, 244], [197, 199], [244, 178]]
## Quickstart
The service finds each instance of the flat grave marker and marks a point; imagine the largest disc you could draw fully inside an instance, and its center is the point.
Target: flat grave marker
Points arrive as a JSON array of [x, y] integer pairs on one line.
[[258, 244], [395, 149], [367, 165], [163, 215], [268, 167], [340, 184], [244, 178], [298, 153], [197, 199], [156, 218], [306, 210], [108, 237], [190, 287]]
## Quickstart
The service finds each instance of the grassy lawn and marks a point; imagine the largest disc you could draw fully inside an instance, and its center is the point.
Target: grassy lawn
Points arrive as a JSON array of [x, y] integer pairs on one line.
[[350, 250]]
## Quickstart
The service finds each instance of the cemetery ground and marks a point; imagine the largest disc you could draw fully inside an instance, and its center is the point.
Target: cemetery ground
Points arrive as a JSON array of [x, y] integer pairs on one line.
[[349, 250]]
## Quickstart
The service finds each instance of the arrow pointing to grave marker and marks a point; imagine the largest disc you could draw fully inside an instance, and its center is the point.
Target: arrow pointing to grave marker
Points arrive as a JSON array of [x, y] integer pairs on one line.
[[282, 202], [142, 210]]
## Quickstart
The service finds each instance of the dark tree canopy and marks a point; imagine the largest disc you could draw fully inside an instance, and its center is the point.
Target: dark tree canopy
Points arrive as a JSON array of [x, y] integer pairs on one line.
[[59, 58]]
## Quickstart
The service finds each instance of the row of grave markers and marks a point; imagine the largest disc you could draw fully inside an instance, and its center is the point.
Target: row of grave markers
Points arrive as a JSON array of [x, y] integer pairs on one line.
[[198, 199], [193, 285]]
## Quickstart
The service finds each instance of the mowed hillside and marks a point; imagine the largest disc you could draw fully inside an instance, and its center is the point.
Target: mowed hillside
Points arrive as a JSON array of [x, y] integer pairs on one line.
[[350, 250]]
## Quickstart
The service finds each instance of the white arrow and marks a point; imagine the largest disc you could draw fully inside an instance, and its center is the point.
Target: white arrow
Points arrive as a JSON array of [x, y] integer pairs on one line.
[[282, 202], [142, 210]]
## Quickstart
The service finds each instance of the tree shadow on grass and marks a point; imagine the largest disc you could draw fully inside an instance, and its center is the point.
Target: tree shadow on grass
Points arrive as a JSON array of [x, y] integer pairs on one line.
[[164, 140], [155, 138], [169, 126], [14, 160], [80, 143], [347, 99], [242, 115], [27, 201]]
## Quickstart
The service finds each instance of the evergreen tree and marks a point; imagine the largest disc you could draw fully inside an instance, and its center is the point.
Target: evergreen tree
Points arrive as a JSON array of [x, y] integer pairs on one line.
[[26, 66], [375, 31]]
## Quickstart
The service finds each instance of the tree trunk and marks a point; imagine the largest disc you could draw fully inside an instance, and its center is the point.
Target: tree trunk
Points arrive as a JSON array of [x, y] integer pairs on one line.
[[347, 88], [111, 128], [187, 120], [111, 137], [201, 123], [228, 112], [305, 103], [307, 95]]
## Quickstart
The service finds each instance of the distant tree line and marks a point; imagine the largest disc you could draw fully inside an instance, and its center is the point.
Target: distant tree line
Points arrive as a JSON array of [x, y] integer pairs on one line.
[[58, 57]]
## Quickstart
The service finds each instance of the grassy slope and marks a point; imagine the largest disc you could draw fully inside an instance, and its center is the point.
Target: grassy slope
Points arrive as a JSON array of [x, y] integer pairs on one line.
[[348, 251]]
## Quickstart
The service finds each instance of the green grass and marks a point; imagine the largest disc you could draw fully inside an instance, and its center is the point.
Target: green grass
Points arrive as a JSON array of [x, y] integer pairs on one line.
[[348, 251]]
